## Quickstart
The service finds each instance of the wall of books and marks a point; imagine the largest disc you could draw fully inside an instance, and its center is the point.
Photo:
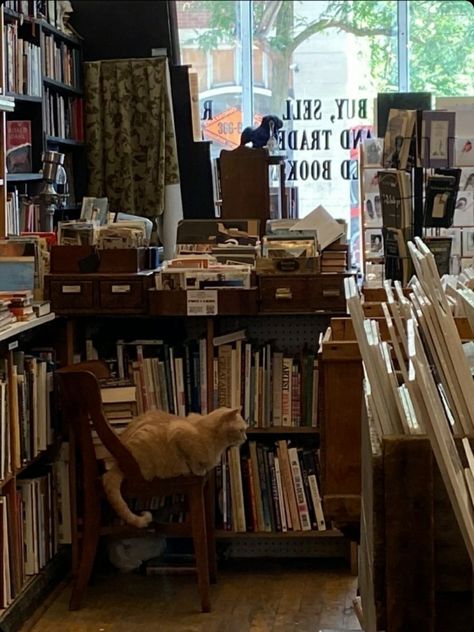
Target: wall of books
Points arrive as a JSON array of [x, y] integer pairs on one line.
[[440, 144]]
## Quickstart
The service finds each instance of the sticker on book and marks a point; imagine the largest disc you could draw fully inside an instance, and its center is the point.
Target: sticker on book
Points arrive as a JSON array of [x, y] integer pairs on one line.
[[201, 302]]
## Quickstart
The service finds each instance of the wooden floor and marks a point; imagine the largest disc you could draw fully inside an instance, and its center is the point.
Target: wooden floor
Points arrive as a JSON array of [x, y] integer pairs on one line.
[[276, 596]]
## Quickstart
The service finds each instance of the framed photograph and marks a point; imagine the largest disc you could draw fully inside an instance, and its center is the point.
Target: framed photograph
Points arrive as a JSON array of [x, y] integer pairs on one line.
[[464, 152], [372, 211], [371, 181], [372, 151], [373, 244], [468, 242], [464, 209], [467, 181], [455, 234]]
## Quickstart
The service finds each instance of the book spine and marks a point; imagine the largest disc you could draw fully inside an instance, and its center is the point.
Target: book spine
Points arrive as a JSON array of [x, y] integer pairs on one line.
[[287, 479], [264, 488], [274, 488], [254, 467], [203, 375], [277, 388], [247, 382], [286, 392], [281, 501], [299, 490]]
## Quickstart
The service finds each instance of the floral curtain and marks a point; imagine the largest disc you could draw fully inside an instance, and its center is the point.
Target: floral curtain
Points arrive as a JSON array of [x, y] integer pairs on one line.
[[131, 144]]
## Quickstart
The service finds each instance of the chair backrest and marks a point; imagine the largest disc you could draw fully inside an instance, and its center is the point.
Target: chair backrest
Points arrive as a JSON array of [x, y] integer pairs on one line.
[[81, 403]]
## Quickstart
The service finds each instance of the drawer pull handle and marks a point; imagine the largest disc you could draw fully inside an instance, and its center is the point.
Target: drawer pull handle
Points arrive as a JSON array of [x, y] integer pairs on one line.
[[333, 292], [283, 294], [121, 289], [71, 289]]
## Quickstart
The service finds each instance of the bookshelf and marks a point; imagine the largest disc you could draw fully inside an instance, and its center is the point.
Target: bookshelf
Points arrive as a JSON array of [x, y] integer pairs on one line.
[[32, 555], [48, 91], [103, 333]]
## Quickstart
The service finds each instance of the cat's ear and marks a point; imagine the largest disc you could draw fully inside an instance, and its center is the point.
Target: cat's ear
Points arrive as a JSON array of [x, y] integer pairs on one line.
[[230, 413]]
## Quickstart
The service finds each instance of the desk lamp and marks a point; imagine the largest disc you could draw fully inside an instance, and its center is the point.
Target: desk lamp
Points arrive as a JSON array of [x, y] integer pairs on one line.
[[49, 198]]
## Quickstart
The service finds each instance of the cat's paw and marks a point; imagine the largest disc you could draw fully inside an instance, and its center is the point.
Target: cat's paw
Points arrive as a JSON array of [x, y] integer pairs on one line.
[[145, 518]]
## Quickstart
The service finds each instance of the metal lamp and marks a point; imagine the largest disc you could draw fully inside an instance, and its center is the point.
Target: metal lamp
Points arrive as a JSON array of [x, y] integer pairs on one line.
[[49, 199]]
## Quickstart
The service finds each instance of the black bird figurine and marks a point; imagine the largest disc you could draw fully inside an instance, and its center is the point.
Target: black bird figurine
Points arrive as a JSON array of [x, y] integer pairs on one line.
[[259, 136]]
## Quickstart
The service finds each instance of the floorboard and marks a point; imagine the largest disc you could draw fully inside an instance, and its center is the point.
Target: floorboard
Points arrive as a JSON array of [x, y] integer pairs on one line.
[[253, 596]]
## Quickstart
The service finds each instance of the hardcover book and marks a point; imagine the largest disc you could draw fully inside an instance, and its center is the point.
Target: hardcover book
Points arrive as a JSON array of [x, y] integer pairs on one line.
[[440, 198], [18, 147]]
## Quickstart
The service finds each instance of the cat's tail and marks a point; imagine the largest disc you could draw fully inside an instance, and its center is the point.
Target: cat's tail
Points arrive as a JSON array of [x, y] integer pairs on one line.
[[112, 481]]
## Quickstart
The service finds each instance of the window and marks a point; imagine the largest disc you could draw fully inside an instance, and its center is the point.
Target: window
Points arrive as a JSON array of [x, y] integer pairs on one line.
[[319, 66]]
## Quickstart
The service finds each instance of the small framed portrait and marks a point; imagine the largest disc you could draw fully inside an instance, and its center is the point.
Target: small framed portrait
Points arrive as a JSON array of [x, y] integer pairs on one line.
[[464, 209], [372, 150], [467, 181], [455, 234], [468, 242], [373, 244], [464, 148]]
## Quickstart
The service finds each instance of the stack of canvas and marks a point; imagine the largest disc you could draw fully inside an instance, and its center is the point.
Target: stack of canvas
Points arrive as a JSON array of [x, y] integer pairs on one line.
[[432, 391]]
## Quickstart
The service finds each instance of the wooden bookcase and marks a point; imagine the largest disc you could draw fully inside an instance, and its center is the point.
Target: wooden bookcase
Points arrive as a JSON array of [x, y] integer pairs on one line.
[[52, 101], [30, 576], [238, 309]]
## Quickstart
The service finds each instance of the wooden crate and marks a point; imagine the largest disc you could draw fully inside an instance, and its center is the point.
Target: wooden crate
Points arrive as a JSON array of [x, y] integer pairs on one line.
[[414, 570], [341, 376]]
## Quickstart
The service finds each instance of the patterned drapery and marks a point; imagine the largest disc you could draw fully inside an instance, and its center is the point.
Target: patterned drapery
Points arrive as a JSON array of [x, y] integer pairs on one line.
[[131, 143]]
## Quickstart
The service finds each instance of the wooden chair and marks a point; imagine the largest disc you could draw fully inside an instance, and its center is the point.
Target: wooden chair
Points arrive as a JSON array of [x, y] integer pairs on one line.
[[82, 408]]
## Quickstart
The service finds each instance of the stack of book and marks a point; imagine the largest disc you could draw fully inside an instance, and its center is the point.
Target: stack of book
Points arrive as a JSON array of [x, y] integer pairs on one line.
[[334, 260], [201, 272], [269, 489], [20, 304], [119, 403], [6, 316]]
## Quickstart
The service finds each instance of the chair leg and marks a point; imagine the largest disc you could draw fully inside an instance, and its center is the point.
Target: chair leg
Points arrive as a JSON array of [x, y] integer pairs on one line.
[[198, 523], [211, 544], [90, 540]]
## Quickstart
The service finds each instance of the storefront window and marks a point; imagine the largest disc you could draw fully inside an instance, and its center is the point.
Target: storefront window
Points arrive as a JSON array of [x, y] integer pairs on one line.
[[319, 66]]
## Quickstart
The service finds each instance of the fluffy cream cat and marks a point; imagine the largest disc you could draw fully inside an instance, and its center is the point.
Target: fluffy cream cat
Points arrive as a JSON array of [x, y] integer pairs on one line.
[[166, 445]]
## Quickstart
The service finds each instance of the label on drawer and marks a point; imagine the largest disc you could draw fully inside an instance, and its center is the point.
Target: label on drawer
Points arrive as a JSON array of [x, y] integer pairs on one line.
[[201, 302], [71, 289], [121, 289], [13, 345]]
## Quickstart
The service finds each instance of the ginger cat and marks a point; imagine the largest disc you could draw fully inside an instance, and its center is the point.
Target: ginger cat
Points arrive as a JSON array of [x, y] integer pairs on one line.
[[166, 445]]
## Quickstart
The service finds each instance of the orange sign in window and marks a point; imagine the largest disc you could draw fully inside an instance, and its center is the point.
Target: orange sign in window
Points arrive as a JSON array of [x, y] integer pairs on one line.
[[225, 128]]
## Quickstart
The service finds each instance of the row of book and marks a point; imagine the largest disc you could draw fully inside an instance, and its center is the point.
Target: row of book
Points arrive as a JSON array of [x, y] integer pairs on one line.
[[32, 509], [64, 116], [26, 421], [34, 9], [22, 217], [22, 63], [261, 488], [61, 62], [273, 388]]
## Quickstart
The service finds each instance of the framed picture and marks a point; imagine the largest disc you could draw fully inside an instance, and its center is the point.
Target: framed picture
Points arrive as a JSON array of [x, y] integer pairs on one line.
[[464, 152], [372, 150], [464, 209], [371, 181], [468, 242], [467, 181], [373, 244], [455, 234]]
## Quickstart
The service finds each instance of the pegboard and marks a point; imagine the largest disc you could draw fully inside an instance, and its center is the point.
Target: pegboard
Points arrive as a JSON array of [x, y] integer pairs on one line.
[[318, 547], [289, 333]]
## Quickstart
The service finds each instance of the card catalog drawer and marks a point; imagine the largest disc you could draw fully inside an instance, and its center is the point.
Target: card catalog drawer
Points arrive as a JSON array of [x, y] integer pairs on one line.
[[122, 295], [288, 294], [71, 294], [331, 295]]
